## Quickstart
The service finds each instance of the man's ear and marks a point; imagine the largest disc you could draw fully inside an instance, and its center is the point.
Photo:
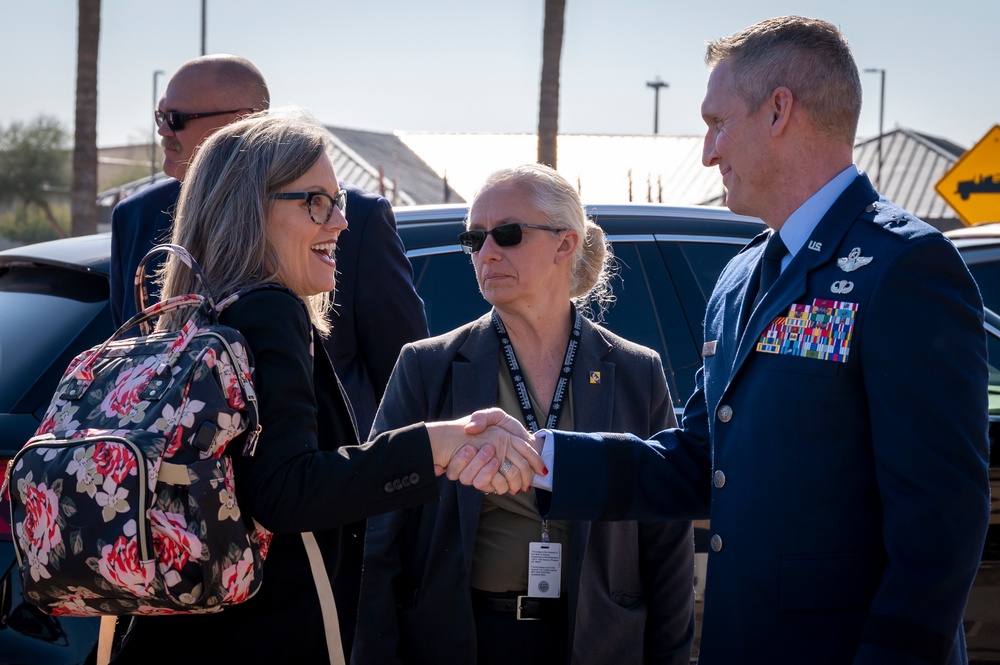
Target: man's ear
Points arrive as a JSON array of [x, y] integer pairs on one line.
[[780, 105]]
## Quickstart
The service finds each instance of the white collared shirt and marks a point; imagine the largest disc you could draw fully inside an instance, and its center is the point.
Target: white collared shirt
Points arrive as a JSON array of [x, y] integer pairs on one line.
[[801, 223]]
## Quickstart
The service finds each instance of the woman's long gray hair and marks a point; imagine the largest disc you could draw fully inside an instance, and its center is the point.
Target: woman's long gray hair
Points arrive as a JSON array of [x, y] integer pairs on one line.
[[225, 200]]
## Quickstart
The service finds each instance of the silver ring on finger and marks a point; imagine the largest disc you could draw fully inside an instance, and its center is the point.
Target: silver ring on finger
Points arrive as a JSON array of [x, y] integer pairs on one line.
[[505, 467]]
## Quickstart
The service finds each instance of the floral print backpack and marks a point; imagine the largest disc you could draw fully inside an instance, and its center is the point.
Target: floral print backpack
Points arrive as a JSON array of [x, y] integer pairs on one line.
[[123, 502]]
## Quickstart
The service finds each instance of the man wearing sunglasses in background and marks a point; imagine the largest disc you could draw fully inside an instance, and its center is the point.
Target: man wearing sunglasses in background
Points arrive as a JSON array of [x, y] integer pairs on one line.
[[376, 308], [203, 95]]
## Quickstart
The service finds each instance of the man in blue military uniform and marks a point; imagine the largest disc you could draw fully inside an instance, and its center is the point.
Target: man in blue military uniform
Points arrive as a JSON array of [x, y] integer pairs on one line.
[[837, 434]]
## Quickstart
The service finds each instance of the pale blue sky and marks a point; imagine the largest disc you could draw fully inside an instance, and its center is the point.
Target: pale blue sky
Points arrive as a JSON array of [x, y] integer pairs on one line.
[[474, 65]]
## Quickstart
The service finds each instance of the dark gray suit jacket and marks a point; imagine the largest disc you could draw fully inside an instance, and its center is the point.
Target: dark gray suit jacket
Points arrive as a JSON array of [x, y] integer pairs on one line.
[[630, 596]]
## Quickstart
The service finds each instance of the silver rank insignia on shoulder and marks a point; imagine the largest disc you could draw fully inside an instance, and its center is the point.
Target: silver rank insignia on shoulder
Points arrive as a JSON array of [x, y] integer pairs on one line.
[[842, 286], [708, 348], [853, 261]]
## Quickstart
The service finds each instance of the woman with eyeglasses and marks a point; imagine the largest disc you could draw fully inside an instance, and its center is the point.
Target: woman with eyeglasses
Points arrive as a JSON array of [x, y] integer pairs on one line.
[[261, 205], [481, 578]]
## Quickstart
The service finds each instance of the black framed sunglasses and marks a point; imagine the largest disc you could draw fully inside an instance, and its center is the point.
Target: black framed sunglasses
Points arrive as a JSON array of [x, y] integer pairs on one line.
[[176, 120], [505, 235], [320, 204]]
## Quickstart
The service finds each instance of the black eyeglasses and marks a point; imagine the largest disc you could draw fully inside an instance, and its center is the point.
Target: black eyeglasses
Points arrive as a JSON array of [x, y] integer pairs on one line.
[[320, 204], [176, 120], [505, 235]]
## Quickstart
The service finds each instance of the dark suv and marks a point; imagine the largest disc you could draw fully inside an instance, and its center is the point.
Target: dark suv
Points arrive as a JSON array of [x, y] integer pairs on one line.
[[54, 303]]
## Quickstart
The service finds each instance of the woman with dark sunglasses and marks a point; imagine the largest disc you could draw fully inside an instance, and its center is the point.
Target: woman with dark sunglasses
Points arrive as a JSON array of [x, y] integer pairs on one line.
[[475, 578]]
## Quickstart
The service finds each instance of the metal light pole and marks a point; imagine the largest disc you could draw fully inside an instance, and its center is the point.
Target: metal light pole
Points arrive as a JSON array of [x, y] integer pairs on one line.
[[881, 117], [152, 146], [656, 85], [203, 3]]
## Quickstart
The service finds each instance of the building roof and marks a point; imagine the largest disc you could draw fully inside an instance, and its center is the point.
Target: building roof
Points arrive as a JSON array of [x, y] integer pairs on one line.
[[357, 158], [912, 164], [609, 168], [405, 178], [437, 167]]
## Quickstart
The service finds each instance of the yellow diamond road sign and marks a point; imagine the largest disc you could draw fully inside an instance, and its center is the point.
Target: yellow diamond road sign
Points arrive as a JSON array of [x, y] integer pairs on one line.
[[972, 185]]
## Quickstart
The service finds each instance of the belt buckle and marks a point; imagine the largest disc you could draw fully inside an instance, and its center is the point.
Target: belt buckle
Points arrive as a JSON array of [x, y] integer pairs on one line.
[[519, 617]]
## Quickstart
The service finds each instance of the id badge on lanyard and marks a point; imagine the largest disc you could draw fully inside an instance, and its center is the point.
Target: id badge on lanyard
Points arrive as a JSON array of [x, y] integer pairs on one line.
[[544, 557]]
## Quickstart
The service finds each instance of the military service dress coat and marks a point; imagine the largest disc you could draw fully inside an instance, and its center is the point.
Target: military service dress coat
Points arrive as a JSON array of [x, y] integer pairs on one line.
[[839, 441]]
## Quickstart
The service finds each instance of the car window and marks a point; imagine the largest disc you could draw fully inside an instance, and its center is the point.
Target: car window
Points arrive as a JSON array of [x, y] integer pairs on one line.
[[993, 356], [647, 311], [447, 284], [987, 276], [44, 311]]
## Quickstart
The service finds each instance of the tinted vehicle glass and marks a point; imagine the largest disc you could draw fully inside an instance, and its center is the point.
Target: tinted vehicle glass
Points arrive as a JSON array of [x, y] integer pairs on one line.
[[985, 268], [447, 283], [44, 311]]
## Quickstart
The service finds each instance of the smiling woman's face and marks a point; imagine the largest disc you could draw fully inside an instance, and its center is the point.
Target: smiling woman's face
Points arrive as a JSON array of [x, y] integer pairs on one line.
[[305, 248]]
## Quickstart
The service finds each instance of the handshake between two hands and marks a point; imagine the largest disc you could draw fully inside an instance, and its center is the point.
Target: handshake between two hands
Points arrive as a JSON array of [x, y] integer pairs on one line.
[[475, 450]]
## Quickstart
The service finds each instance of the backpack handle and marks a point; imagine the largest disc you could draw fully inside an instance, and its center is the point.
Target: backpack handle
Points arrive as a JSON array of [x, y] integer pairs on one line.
[[142, 298], [82, 372]]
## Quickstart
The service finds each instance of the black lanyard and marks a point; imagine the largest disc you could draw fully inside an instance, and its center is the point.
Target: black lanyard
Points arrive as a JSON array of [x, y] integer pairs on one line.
[[530, 419]]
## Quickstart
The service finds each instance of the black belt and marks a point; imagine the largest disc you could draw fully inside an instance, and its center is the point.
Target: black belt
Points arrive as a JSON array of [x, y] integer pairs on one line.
[[521, 607]]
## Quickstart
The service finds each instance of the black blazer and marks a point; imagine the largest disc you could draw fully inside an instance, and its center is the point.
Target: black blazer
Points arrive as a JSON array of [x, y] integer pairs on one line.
[[630, 584], [300, 479]]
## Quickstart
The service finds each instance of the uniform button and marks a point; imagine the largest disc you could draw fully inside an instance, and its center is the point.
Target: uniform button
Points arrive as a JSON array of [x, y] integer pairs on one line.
[[397, 484], [388, 488], [414, 478], [716, 543], [725, 413], [719, 478]]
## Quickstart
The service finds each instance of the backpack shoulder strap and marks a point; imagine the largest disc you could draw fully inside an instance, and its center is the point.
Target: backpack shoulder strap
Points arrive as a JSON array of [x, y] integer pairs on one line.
[[232, 298]]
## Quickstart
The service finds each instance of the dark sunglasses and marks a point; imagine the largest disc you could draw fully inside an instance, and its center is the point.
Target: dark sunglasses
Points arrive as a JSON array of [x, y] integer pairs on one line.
[[505, 235], [320, 204], [176, 120]]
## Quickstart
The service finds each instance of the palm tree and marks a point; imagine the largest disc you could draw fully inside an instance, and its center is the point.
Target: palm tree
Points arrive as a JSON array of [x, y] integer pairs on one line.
[[548, 101], [84, 197]]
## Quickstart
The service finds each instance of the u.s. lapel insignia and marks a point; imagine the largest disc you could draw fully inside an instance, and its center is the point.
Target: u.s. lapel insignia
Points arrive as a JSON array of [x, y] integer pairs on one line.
[[853, 261], [815, 245], [842, 286], [595, 377]]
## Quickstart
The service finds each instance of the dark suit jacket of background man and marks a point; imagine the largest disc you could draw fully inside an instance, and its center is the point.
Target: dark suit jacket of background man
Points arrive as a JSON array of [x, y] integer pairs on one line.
[[849, 500], [377, 311]]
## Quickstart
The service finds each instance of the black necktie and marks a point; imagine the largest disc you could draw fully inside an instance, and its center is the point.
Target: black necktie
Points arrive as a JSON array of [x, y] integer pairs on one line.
[[770, 265]]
